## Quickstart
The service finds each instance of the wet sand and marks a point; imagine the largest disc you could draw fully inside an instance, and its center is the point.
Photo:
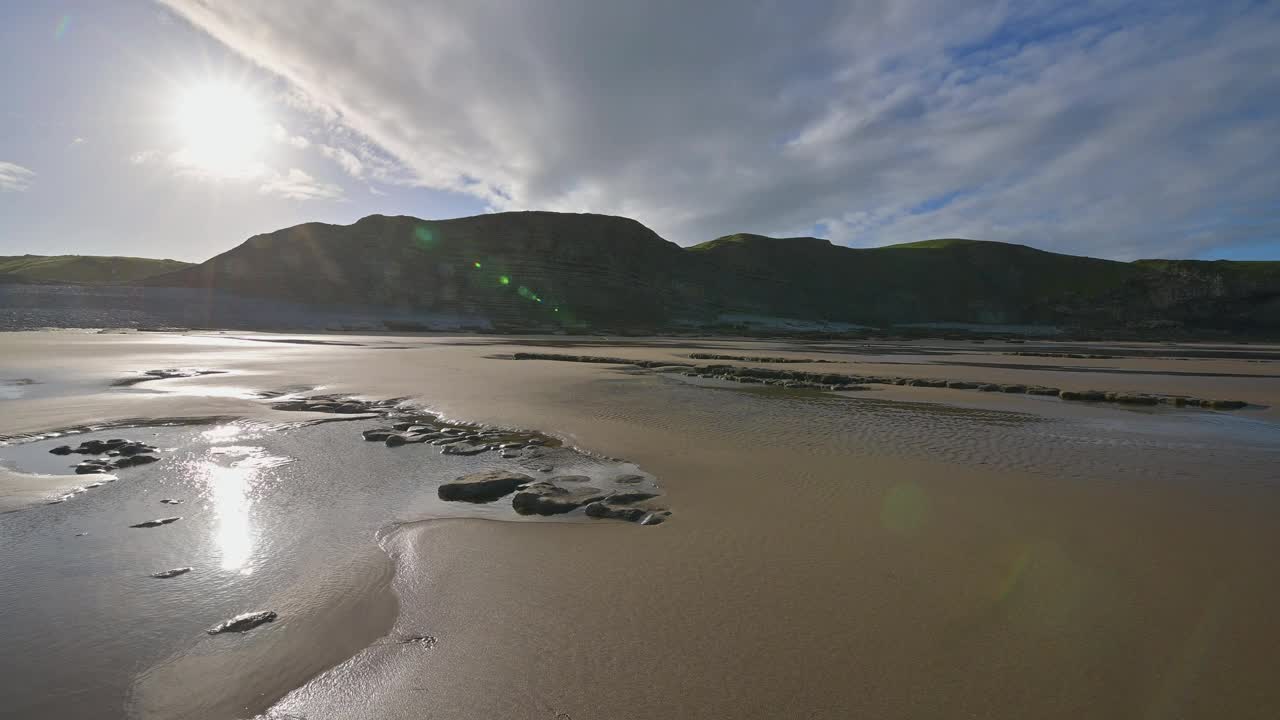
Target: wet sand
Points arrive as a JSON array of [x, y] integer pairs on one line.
[[1002, 556]]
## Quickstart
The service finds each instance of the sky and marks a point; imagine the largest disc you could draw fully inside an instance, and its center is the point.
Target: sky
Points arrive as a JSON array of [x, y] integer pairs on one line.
[[180, 128]]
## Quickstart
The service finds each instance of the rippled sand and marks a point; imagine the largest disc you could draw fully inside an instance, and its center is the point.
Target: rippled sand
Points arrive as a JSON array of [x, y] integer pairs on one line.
[[898, 553]]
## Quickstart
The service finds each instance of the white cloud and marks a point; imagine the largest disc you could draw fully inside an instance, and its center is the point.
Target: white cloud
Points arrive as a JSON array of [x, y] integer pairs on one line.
[[1100, 127], [143, 157], [298, 185], [281, 135], [14, 178]]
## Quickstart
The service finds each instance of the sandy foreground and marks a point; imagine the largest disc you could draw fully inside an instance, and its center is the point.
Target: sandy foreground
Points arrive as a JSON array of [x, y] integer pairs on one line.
[[804, 574]]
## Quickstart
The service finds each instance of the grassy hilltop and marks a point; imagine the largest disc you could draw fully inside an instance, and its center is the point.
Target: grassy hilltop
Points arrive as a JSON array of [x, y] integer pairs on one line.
[[82, 268]]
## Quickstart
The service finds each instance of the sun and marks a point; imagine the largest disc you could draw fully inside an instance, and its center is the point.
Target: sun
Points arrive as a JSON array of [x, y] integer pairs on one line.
[[222, 129]]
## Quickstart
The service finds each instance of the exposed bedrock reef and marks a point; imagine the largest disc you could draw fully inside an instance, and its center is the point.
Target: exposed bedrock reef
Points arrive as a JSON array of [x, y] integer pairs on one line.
[[542, 270], [799, 379], [634, 496]]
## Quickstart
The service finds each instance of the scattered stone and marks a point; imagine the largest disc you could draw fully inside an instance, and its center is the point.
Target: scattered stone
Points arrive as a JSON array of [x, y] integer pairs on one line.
[[62, 450], [483, 487], [171, 501], [175, 572], [377, 434], [157, 523], [464, 448], [544, 498], [241, 623]]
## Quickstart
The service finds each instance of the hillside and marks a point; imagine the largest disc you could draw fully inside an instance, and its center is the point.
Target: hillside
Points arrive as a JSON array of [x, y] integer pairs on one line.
[[82, 268], [540, 269]]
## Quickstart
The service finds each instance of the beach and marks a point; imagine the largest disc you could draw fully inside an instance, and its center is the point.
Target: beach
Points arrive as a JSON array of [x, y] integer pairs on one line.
[[894, 552]]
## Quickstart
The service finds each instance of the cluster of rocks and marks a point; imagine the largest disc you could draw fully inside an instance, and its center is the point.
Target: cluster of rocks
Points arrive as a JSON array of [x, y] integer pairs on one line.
[[165, 375], [335, 404], [555, 496], [597, 359], [457, 439], [120, 453], [841, 383], [754, 358]]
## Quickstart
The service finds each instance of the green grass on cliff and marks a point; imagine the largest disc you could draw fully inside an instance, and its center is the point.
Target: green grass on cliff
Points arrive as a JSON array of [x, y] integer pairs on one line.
[[83, 268]]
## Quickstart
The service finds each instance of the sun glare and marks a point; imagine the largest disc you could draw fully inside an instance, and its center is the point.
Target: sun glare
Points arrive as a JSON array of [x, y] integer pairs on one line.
[[222, 129]]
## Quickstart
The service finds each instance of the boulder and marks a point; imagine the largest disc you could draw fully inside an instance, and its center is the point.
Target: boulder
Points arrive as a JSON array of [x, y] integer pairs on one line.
[[1013, 388], [655, 518], [377, 434], [62, 450], [961, 385], [544, 498], [605, 510], [483, 487], [134, 460], [241, 623], [175, 572], [622, 497]]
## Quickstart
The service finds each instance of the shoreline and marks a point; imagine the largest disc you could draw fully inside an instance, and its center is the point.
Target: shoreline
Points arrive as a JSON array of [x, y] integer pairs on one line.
[[829, 556]]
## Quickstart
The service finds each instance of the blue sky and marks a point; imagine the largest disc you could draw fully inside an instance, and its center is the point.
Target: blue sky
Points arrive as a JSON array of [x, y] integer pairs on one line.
[[180, 128]]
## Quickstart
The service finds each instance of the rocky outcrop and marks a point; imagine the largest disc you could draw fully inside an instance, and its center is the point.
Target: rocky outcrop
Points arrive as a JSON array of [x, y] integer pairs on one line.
[[175, 572], [157, 523], [244, 622], [547, 498], [483, 487]]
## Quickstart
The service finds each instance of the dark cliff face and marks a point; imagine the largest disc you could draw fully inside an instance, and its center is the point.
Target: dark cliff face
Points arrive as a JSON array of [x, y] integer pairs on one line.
[[540, 269]]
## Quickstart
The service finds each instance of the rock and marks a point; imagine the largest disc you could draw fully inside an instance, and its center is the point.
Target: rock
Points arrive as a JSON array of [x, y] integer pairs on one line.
[[175, 572], [394, 440], [464, 448], [609, 511], [545, 468], [622, 497], [989, 387], [136, 448], [157, 523], [569, 479], [629, 479], [171, 501], [544, 498], [1041, 390], [483, 487], [402, 426], [1224, 404], [135, 460], [961, 385], [247, 621], [655, 518], [1013, 388], [1083, 395], [377, 434], [62, 450], [1134, 399], [510, 454], [92, 467]]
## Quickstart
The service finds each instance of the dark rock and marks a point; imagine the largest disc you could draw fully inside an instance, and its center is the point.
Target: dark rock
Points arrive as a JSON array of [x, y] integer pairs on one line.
[[1083, 395], [156, 523], [629, 479], [394, 440], [989, 387], [483, 486], [171, 501], [1224, 404], [403, 425], [175, 572], [464, 448], [377, 434], [1041, 390], [135, 448], [655, 518], [1013, 388], [92, 467], [630, 513], [62, 450], [241, 623], [622, 497], [961, 385], [134, 460], [544, 498]]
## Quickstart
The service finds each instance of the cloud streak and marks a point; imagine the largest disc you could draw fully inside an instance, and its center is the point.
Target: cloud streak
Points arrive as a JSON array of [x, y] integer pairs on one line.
[[1100, 127], [14, 178]]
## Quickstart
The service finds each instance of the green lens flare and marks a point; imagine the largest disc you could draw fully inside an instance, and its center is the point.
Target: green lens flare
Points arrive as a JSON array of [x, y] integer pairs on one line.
[[504, 280], [424, 238], [476, 264]]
